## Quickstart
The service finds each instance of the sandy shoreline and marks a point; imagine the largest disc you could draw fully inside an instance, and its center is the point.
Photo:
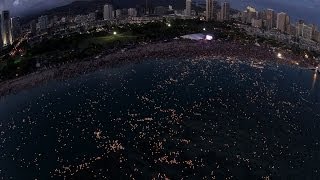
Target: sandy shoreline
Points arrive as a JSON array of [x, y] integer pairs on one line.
[[176, 49]]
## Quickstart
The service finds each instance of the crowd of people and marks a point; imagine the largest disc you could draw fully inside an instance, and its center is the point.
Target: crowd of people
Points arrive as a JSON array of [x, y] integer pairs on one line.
[[176, 49]]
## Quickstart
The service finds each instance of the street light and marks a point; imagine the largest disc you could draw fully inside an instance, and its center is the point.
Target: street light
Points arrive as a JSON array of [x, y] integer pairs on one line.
[[169, 25], [114, 33]]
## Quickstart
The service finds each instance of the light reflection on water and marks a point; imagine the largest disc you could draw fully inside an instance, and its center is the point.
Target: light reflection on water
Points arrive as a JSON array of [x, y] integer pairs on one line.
[[174, 118]]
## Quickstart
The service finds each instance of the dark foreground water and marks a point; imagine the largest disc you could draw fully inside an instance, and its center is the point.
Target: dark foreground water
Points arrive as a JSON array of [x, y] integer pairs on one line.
[[166, 118]]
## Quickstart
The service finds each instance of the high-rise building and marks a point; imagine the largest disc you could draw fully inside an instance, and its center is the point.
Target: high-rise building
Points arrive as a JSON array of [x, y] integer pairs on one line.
[[261, 15], [16, 28], [282, 21], [299, 27], [249, 14], [6, 32], [307, 31], [147, 8], [292, 30], [140, 10], [160, 10], [92, 17], [132, 12], [219, 18], [225, 11], [211, 12], [188, 7], [288, 24], [43, 22], [256, 23], [314, 32], [124, 12], [55, 20], [270, 19], [108, 12], [318, 37], [118, 13], [33, 27]]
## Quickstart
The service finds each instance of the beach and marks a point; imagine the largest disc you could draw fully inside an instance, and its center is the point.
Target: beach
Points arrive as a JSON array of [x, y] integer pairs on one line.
[[159, 50]]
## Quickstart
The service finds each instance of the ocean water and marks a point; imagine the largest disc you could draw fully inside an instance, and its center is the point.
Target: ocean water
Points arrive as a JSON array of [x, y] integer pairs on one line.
[[169, 118]]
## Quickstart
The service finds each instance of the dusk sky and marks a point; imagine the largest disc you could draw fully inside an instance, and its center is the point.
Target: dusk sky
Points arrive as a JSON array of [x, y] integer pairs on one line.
[[297, 9], [304, 9]]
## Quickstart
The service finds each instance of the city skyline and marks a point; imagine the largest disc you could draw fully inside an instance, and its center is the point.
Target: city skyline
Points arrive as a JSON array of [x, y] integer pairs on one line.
[[274, 19], [267, 19], [296, 8]]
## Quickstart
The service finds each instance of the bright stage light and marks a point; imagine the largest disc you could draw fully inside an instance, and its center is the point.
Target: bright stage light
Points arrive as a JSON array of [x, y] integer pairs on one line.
[[209, 38]]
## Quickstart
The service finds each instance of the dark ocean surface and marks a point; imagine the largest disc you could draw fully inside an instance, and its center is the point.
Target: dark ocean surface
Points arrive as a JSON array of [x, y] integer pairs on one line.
[[169, 118]]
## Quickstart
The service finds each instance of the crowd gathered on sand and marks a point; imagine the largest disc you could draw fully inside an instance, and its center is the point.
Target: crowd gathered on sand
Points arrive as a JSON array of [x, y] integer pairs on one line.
[[175, 49]]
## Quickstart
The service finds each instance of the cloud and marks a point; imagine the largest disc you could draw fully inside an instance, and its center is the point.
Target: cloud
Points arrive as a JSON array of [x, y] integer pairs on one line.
[[16, 3]]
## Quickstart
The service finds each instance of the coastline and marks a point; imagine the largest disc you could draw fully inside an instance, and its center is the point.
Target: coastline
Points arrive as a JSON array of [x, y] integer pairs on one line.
[[177, 49]]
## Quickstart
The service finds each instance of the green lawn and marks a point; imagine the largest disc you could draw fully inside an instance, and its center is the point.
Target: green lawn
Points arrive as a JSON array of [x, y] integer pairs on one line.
[[106, 40]]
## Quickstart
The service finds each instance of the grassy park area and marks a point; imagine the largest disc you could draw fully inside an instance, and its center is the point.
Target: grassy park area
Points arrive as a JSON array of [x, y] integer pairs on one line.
[[106, 40], [112, 38]]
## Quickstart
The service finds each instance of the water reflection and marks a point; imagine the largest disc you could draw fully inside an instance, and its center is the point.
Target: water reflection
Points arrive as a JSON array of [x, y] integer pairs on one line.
[[197, 119], [314, 80]]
